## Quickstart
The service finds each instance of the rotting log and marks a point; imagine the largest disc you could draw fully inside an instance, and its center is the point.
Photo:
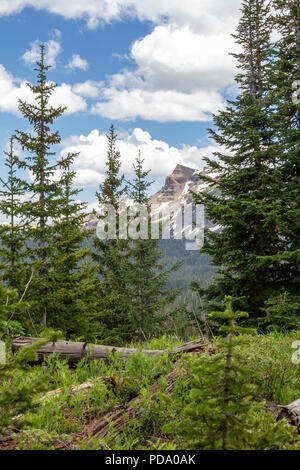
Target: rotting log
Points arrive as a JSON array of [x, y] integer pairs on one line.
[[75, 351], [74, 390], [115, 421], [109, 381], [291, 413], [119, 418]]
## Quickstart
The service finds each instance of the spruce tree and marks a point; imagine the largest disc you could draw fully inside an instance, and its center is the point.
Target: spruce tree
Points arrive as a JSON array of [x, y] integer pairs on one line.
[[44, 206], [148, 275], [74, 301], [18, 393], [12, 238], [222, 413], [112, 255], [285, 81], [252, 202]]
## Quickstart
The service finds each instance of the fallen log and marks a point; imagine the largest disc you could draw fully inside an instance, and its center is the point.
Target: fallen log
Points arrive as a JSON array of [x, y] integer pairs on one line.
[[291, 413], [110, 382], [75, 351], [119, 417], [116, 421], [74, 390]]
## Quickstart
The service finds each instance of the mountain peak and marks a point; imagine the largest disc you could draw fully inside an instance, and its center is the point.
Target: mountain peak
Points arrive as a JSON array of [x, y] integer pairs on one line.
[[183, 169], [176, 184]]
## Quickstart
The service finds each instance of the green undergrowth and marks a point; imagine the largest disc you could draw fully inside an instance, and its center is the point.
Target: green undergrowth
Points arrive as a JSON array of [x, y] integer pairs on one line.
[[57, 419]]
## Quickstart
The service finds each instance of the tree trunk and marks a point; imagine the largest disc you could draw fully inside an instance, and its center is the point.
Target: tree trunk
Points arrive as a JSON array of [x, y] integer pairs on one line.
[[298, 68], [75, 351]]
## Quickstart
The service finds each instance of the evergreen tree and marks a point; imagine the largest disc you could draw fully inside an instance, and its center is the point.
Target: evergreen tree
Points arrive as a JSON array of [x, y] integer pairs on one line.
[[73, 278], [11, 305], [112, 254], [12, 247], [253, 202], [285, 80], [18, 393], [44, 206], [222, 414], [148, 275]]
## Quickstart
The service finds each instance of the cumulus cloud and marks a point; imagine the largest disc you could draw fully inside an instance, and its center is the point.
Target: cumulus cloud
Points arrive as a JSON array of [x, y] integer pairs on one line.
[[182, 59], [77, 62], [158, 155], [180, 75], [161, 105], [178, 72], [90, 88], [204, 14], [52, 50], [63, 95], [12, 89]]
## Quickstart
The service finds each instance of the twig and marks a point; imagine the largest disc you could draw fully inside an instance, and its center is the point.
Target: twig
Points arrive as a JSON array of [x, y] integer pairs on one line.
[[32, 322], [26, 287]]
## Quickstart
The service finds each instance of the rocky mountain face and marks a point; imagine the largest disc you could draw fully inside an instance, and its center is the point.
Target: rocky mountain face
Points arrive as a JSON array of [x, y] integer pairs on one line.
[[176, 190], [178, 185]]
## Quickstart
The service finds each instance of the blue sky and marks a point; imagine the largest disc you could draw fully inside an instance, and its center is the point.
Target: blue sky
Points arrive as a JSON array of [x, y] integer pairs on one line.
[[156, 69]]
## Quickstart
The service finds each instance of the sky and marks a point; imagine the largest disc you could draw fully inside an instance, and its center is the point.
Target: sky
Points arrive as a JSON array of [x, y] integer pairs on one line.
[[156, 69]]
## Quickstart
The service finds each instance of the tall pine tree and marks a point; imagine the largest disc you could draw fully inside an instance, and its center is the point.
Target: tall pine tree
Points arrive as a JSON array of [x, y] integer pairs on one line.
[[250, 204], [148, 275], [45, 192], [285, 80], [74, 285], [112, 254], [12, 238]]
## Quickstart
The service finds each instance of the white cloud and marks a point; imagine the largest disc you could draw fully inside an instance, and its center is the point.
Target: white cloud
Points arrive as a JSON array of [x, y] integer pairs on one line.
[[182, 59], [161, 105], [158, 155], [204, 14], [90, 88], [52, 50], [180, 75], [77, 62], [63, 95], [13, 89], [179, 71], [87, 177]]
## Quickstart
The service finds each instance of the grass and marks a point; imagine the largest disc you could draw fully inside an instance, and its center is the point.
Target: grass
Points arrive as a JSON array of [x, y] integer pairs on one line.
[[58, 418]]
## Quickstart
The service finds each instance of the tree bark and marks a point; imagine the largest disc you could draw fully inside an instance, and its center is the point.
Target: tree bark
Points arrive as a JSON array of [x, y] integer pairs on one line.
[[75, 351], [298, 70], [120, 417], [291, 413]]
